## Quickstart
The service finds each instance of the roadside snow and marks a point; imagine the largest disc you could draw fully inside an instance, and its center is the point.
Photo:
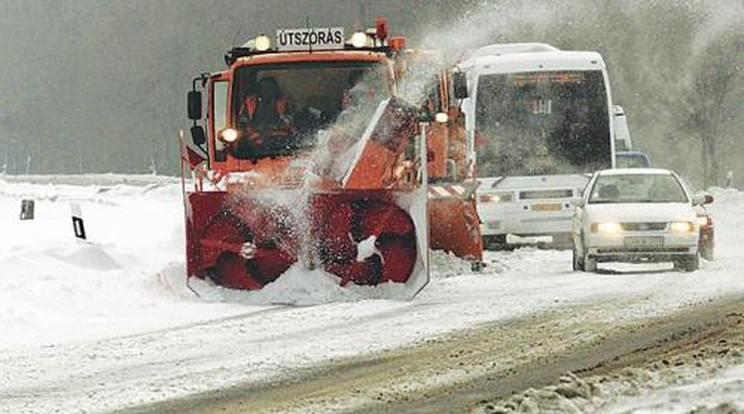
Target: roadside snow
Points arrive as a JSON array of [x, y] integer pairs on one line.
[[112, 323]]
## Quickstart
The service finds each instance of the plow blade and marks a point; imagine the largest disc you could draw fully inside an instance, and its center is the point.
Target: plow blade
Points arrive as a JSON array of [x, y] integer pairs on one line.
[[454, 222]]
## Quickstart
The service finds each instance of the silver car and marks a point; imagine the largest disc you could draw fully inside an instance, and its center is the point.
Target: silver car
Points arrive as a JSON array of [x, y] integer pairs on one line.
[[636, 215]]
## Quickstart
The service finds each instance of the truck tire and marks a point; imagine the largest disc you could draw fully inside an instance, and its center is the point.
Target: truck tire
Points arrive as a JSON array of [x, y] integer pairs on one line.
[[495, 242]]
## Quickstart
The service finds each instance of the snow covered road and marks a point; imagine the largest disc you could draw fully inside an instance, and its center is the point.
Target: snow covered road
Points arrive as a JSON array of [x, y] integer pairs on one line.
[[101, 326]]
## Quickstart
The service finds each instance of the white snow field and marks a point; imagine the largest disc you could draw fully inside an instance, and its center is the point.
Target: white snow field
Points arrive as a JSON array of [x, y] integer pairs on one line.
[[92, 327]]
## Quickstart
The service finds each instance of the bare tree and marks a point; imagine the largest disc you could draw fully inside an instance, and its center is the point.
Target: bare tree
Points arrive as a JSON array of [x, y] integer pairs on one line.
[[703, 107]]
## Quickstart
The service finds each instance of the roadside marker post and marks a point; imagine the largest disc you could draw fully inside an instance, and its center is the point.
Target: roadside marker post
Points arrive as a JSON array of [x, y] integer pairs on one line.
[[78, 225], [27, 209]]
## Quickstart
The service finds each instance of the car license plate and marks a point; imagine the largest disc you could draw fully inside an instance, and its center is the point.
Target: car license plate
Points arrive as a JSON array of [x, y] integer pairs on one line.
[[546, 207], [643, 241]]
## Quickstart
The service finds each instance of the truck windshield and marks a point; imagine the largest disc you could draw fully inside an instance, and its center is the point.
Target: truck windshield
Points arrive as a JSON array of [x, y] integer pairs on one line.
[[637, 188], [279, 109], [538, 123]]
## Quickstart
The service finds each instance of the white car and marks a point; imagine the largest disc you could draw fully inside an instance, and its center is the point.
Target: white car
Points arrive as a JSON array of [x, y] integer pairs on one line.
[[636, 215]]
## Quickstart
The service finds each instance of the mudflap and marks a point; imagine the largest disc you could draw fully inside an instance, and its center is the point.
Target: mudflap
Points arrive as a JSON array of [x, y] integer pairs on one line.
[[455, 227]]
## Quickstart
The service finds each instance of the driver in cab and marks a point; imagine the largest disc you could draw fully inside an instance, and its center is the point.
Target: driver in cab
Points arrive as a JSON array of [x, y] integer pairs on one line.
[[263, 118]]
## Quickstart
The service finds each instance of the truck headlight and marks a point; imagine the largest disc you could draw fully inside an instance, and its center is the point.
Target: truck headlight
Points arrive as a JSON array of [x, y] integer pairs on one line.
[[228, 135], [682, 227], [607, 228]]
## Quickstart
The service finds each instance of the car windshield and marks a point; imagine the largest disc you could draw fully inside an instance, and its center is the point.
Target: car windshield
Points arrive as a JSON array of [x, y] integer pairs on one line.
[[637, 188], [279, 109]]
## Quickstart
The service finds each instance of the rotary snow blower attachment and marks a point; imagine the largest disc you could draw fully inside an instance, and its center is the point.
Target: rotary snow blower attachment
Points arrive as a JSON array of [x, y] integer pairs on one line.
[[307, 158], [346, 194]]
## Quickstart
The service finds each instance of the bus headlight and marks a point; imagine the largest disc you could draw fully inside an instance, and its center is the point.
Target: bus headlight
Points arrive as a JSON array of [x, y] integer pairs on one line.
[[681, 227], [496, 198]]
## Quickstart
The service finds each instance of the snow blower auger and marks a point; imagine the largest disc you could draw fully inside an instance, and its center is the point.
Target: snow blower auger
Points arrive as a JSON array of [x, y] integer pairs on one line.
[[307, 159]]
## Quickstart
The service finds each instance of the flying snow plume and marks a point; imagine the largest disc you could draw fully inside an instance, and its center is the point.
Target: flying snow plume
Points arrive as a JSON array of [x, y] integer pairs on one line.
[[486, 23]]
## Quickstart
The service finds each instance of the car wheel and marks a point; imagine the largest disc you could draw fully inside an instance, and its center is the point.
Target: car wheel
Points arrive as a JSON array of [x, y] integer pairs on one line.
[[578, 261], [688, 264], [707, 253]]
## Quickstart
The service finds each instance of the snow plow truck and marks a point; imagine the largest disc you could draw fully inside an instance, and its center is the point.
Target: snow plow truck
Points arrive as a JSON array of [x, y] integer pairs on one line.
[[308, 157]]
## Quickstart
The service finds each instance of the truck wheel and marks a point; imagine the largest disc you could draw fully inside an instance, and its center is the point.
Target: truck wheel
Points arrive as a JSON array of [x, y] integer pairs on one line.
[[496, 242]]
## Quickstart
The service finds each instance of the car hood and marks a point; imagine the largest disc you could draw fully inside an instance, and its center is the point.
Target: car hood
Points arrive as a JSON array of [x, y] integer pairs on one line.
[[640, 212]]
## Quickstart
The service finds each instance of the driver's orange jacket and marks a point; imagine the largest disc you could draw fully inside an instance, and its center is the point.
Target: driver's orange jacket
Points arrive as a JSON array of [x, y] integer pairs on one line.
[[249, 109]]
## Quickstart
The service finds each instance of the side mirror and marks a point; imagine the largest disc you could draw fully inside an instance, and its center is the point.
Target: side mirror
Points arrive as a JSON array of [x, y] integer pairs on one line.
[[194, 104], [708, 199], [698, 199], [460, 85], [198, 136], [579, 202]]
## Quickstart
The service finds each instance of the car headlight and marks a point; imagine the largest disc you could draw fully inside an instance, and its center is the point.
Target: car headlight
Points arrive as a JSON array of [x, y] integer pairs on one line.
[[681, 227], [607, 228]]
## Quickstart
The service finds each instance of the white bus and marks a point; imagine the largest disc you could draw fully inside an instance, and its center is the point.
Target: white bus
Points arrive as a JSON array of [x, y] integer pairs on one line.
[[540, 121]]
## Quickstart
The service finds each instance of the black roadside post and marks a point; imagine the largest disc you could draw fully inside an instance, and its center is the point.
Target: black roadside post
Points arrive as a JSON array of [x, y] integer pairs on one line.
[[27, 209]]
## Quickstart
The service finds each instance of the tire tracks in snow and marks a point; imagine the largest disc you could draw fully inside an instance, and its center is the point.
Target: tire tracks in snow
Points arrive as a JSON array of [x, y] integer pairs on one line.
[[460, 372]]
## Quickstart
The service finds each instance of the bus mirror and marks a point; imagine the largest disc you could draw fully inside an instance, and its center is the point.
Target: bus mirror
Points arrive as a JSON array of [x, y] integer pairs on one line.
[[197, 135], [460, 85], [194, 106]]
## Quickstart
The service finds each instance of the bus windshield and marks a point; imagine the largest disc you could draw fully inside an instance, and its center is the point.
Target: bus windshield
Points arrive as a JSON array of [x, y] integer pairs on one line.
[[540, 123], [278, 109]]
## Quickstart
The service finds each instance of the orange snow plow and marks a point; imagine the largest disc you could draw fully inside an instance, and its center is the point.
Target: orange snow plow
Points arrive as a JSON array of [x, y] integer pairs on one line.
[[307, 158], [454, 224]]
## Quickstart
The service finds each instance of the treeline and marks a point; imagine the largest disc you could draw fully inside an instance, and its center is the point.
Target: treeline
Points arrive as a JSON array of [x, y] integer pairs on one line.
[[99, 86]]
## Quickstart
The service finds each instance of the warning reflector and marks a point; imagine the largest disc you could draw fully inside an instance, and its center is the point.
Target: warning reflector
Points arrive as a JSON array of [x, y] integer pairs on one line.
[[78, 225]]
